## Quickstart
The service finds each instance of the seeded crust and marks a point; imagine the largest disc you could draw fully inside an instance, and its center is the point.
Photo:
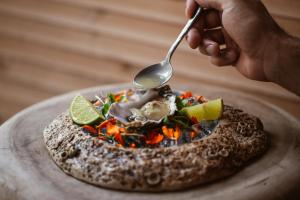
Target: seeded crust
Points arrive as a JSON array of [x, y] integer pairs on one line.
[[238, 138]]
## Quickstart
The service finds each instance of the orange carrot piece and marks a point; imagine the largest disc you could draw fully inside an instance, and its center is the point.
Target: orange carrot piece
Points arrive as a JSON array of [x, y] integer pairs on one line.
[[158, 138], [90, 129], [118, 137], [177, 133], [103, 124], [122, 130], [119, 145], [186, 95], [171, 132], [193, 134], [133, 145], [166, 132], [118, 97], [155, 138], [200, 99], [112, 129]]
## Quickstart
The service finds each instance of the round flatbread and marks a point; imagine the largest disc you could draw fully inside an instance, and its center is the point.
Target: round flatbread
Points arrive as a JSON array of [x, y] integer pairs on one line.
[[237, 139]]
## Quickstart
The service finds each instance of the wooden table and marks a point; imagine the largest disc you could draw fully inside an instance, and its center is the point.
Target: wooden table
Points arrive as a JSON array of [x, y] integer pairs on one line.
[[49, 47], [28, 173]]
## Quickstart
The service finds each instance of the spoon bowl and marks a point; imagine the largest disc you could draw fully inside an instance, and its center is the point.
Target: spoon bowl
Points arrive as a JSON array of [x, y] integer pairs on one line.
[[154, 76], [158, 74]]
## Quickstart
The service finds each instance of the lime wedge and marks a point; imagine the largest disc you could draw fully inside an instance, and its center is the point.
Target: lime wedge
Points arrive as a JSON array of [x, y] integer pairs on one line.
[[83, 112], [210, 110]]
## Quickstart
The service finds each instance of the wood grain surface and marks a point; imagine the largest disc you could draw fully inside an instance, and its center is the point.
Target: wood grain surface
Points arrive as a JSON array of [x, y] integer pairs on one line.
[[48, 47], [27, 172]]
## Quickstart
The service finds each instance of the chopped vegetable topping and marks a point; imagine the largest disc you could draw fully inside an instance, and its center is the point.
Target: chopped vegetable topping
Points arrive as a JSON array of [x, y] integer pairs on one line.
[[132, 145], [118, 137], [193, 134], [186, 95], [171, 133], [90, 129], [194, 118], [112, 129], [104, 124], [154, 138]]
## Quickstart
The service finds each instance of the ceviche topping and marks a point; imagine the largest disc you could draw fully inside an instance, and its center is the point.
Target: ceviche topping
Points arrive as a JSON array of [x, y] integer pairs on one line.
[[152, 118]]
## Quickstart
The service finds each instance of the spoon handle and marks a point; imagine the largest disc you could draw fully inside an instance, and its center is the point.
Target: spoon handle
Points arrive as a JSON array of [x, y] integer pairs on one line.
[[184, 31]]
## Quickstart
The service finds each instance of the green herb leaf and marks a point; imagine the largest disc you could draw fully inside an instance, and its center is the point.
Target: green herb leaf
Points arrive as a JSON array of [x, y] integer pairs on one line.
[[166, 120], [179, 103], [182, 120], [111, 98], [105, 109], [181, 113], [185, 102]]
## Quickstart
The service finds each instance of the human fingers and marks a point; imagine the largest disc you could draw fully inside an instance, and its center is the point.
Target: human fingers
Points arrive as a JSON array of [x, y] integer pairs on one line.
[[215, 4], [209, 47], [226, 57], [190, 8], [192, 5], [193, 38], [215, 35], [194, 35], [212, 39], [212, 19], [208, 20]]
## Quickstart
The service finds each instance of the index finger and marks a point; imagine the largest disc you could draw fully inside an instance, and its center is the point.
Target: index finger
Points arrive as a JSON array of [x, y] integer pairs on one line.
[[192, 5], [190, 8]]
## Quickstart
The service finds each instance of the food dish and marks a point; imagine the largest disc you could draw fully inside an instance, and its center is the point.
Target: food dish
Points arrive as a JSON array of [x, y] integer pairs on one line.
[[153, 140]]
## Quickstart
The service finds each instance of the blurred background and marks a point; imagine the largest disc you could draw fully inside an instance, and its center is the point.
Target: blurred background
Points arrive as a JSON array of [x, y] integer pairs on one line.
[[49, 47]]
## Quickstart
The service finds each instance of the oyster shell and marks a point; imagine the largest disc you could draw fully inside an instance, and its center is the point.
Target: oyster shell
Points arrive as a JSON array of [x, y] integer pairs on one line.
[[145, 107]]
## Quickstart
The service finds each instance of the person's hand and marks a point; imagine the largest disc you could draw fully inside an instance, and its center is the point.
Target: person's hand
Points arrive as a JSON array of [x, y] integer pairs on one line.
[[250, 35]]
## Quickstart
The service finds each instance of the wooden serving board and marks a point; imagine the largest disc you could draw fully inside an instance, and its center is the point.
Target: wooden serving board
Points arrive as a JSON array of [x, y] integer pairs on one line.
[[28, 172]]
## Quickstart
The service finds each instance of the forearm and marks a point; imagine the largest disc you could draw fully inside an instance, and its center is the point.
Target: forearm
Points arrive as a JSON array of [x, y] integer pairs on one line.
[[286, 64]]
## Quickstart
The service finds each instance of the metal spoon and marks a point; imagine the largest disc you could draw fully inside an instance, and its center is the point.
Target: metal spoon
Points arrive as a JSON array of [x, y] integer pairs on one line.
[[158, 74]]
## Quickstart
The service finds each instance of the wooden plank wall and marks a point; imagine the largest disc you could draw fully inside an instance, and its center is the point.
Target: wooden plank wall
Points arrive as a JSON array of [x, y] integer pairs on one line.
[[48, 47]]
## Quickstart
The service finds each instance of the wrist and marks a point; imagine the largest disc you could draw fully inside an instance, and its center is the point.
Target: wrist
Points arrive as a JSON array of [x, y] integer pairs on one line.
[[273, 53], [283, 62]]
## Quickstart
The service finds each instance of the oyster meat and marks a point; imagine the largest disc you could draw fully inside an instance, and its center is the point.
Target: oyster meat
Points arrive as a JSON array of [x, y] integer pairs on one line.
[[145, 107]]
